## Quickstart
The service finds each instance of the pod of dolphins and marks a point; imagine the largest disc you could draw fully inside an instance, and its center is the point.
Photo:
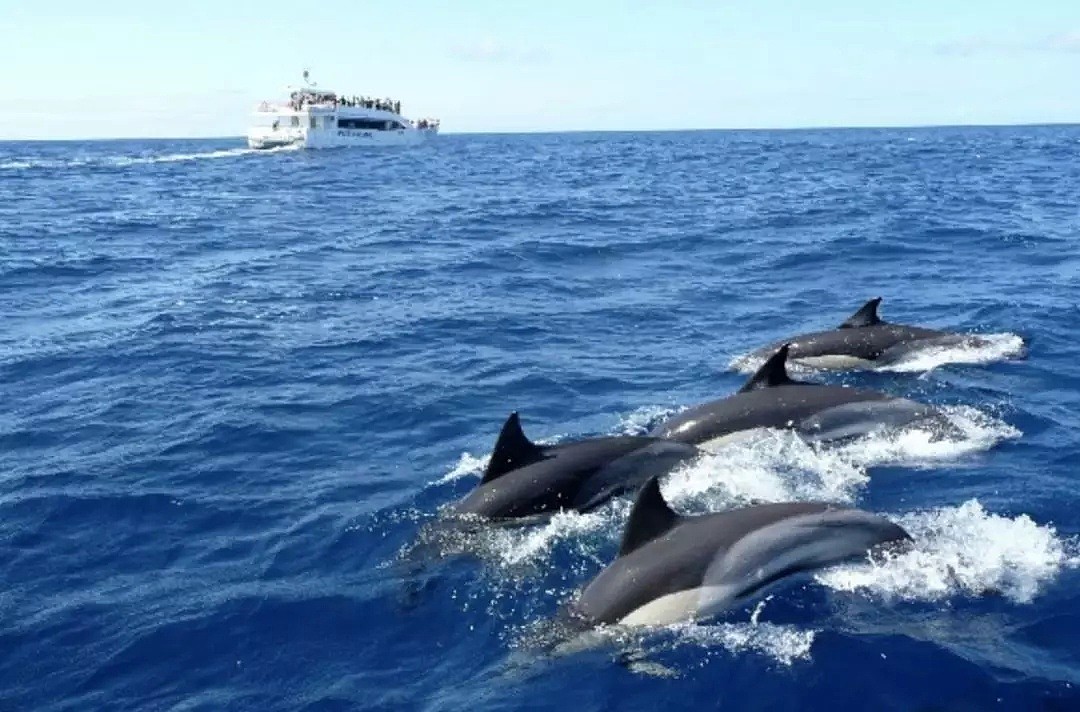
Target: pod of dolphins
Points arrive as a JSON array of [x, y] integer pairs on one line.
[[674, 568]]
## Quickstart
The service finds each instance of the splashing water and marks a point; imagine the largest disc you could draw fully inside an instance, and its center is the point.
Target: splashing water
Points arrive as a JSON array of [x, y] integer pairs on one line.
[[975, 431], [962, 550], [641, 420], [784, 644], [638, 646], [468, 464]]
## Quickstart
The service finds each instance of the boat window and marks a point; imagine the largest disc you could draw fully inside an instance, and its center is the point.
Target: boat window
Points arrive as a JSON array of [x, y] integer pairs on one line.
[[296, 121], [328, 122], [363, 124], [312, 122]]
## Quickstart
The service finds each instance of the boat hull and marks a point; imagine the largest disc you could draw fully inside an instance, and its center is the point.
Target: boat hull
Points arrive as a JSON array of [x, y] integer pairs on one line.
[[336, 138]]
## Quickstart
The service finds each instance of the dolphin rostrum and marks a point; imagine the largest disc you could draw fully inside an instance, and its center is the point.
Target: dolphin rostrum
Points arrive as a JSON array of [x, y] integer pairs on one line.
[[864, 340], [524, 479], [817, 412], [673, 568]]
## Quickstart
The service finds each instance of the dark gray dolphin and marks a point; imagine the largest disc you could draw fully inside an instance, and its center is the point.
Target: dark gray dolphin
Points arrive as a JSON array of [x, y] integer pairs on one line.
[[863, 340], [524, 479], [673, 568], [817, 412]]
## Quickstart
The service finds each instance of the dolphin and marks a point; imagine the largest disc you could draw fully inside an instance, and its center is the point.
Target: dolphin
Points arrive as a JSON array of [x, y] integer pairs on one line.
[[673, 568], [864, 341], [817, 412], [523, 479]]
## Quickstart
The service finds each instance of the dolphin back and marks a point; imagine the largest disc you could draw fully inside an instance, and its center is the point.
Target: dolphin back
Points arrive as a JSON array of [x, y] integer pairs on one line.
[[860, 418], [794, 545], [580, 475], [928, 340], [631, 470]]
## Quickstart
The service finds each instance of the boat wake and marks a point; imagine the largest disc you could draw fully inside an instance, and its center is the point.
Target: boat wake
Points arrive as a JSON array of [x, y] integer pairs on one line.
[[122, 161], [180, 157]]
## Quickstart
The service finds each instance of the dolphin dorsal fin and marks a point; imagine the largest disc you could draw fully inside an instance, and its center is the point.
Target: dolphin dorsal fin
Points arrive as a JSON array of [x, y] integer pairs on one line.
[[650, 517], [866, 316], [772, 373], [512, 450]]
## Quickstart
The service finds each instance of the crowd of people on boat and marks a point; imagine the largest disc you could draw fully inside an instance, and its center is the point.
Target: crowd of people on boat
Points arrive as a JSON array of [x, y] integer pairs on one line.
[[427, 124], [298, 100], [365, 102]]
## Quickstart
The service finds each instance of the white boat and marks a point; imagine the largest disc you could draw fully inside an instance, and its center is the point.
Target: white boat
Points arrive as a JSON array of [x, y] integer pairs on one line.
[[314, 118]]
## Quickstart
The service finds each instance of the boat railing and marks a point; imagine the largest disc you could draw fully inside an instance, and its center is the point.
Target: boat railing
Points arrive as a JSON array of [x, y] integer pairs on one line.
[[275, 106]]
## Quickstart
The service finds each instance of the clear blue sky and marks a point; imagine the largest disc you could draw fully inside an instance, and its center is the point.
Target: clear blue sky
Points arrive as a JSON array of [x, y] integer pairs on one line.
[[196, 68]]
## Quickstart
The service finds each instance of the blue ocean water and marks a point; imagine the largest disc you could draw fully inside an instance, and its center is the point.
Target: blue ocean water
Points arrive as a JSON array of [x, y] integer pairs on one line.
[[239, 386]]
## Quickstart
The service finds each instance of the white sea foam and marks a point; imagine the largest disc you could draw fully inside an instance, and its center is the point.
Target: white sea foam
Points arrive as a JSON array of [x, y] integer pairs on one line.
[[638, 421], [975, 431], [785, 644], [773, 466], [962, 550], [642, 647], [467, 464], [778, 466], [514, 548]]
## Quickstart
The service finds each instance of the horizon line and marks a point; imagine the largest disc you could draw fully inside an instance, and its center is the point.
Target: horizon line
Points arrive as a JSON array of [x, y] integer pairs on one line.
[[528, 132]]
